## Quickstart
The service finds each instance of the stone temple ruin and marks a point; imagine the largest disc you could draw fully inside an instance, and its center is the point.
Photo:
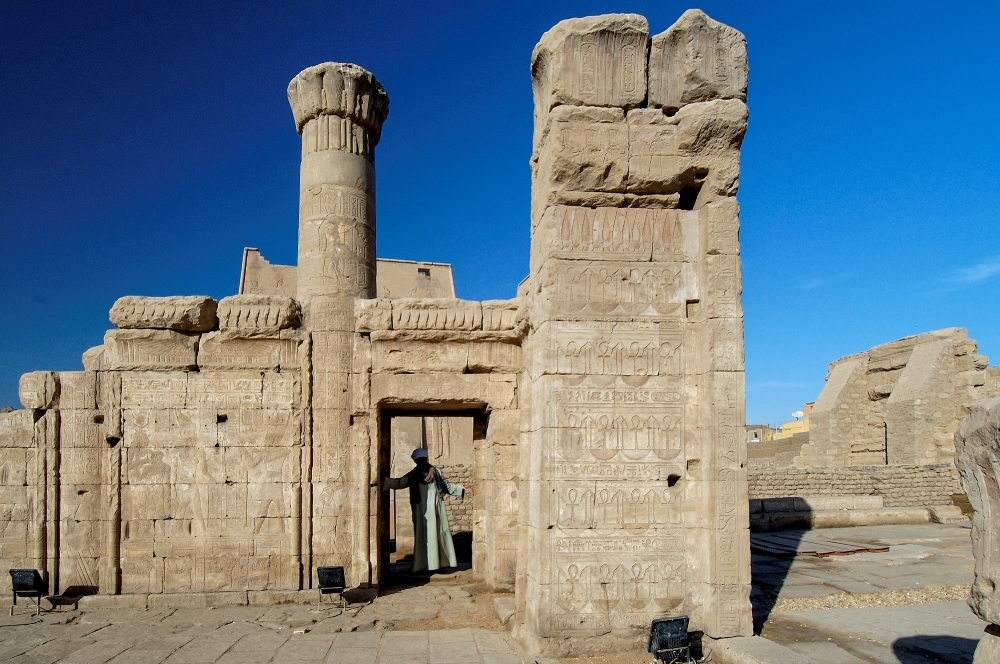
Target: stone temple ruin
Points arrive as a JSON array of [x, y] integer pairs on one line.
[[222, 451], [880, 445]]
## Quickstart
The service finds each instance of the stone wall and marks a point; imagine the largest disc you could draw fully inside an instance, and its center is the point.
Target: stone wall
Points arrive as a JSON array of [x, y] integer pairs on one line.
[[900, 486], [898, 403], [632, 471], [459, 509]]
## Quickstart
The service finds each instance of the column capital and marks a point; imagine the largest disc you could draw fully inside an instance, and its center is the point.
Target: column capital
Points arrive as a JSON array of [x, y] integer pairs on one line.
[[342, 89]]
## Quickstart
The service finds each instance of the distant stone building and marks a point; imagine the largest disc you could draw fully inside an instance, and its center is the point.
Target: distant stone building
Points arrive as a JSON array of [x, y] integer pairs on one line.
[[883, 426]]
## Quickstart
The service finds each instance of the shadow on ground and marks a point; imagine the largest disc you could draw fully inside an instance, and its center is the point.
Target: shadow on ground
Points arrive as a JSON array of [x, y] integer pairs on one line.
[[768, 572], [935, 648], [401, 576]]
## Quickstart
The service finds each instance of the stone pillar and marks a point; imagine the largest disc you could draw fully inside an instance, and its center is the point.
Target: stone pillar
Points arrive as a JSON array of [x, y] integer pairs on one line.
[[977, 455], [633, 492], [339, 110]]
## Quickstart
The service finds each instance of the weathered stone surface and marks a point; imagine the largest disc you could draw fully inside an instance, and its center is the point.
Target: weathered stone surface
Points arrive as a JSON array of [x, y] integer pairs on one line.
[[592, 61], [155, 350], [338, 89], [372, 315], [189, 313], [697, 59], [634, 388], [977, 451], [755, 650], [93, 359], [38, 390], [988, 649], [501, 314], [216, 351], [603, 438], [898, 403], [257, 316], [436, 314]]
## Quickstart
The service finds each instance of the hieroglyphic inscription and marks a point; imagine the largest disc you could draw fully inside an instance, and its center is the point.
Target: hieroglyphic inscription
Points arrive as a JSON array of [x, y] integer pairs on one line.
[[727, 552], [624, 349], [653, 291], [343, 221], [614, 470], [621, 544], [617, 594], [607, 67]]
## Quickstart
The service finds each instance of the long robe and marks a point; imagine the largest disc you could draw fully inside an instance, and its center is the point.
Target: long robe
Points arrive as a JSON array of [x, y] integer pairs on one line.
[[433, 547]]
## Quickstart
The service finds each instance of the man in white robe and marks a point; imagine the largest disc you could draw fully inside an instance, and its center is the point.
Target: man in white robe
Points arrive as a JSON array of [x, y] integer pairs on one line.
[[433, 547]]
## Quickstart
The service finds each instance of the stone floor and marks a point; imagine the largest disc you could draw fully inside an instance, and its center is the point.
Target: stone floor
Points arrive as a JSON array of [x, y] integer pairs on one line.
[[905, 606], [901, 607]]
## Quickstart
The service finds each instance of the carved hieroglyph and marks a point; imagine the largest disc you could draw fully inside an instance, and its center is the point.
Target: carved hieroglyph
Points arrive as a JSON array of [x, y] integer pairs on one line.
[[977, 455], [238, 451], [634, 494]]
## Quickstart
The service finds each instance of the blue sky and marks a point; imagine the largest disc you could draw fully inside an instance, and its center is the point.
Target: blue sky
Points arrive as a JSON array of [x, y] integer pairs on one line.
[[145, 144]]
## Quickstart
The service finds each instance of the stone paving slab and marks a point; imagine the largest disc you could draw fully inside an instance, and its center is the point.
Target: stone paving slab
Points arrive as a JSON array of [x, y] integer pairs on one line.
[[936, 632], [452, 620]]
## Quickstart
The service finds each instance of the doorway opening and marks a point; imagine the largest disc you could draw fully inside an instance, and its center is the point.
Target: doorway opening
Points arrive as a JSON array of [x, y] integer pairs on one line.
[[451, 438]]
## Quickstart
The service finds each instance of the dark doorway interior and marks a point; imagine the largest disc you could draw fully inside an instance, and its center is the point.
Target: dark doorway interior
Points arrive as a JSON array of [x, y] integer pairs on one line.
[[449, 436]]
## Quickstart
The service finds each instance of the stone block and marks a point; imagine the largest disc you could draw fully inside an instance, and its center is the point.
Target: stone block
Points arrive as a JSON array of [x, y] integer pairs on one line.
[[624, 292], [189, 313], [583, 155], [946, 514], [93, 359], [584, 233], [39, 390], [495, 357], [196, 600], [372, 315], [257, 316], [124, 601], [504, 607], [697, 59], [591, 61], [150, 350], [754, 650], [501, 314], [218, 351], [977, 448], [473, 390], [17, 429], [436, 314], [419, 356]]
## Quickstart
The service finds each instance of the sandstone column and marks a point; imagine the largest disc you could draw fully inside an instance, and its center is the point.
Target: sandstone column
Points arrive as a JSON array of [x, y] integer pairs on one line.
[[977, 455], [633, 492], [339, 110]]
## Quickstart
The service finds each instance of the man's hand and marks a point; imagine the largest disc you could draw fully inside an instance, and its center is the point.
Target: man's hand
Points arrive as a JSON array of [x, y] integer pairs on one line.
[[468, 490]]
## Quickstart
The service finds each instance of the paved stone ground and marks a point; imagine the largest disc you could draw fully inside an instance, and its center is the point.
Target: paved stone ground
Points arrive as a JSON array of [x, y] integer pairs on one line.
[[906, 606], [901, 607]]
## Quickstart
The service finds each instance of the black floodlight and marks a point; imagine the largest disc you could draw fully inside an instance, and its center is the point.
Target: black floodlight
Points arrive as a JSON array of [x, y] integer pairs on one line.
[[331, 581], [27, 583], [669, 641]]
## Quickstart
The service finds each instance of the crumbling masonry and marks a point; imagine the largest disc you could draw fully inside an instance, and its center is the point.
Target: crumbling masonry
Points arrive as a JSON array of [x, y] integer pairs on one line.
[[226, 449]]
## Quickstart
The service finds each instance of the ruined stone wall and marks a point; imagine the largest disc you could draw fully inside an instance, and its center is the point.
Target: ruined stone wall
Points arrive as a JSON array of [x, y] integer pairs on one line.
[[173, 463], [633, 487], [898, 403], [900, 485]]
